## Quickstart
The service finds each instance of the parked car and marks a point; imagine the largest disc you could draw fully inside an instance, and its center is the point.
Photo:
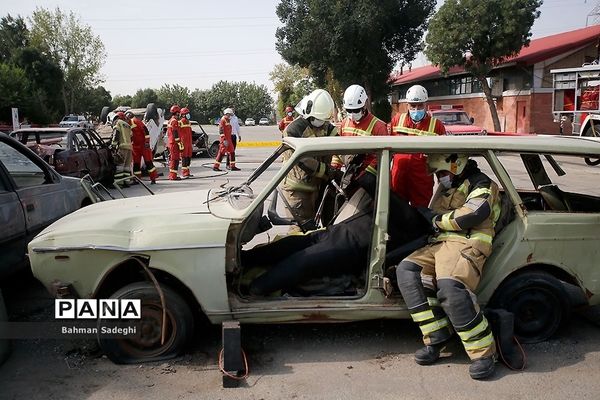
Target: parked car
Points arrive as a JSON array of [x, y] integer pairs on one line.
[[72, 121], [264, 121], [544, 259], [458, 122], [72, 152], [249, 122], [32, 196], [204, 143]]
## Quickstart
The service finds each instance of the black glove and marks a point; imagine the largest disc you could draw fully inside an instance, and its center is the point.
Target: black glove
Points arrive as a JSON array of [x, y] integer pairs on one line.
[[335, 174]]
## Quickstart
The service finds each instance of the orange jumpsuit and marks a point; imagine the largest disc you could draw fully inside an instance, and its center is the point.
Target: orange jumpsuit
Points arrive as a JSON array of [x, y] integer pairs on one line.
[[226, 143], [185, 134], [410, 179], [174, 152], [285, 122], [140, 139]]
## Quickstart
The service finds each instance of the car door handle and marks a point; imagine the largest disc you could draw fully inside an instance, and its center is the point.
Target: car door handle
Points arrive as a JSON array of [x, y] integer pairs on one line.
[[29, 207]]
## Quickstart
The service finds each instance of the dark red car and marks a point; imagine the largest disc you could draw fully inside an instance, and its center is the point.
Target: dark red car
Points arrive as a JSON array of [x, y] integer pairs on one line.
[[71, 151]]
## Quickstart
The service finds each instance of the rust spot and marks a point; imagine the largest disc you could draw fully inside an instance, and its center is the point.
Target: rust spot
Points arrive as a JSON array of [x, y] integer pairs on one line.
[[530, 257], [588, 293], [317, 317]]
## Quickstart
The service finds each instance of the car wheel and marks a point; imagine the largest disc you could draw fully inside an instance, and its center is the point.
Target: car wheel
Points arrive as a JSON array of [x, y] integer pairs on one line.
[[104, 114], [538, 301], [151, 112], [213, 150], [591, 133], [145, 345]]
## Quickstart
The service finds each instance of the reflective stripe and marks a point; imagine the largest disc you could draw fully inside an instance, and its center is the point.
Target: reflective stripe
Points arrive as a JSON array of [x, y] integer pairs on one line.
[[433, 302], [464, 188], [480, 327], [293, 184], [321, 170], [361, 132], [479, 344], [422, 316], [152, 169], [184, 125], [185, 168], [138, 173], [412, 131], [173, 170], [434, 326], [478, 192], [371, 170], [481, 237], [447, 223]]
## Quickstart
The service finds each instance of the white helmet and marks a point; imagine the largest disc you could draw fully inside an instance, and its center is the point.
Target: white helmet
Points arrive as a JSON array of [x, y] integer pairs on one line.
[[355, 97], [416, 94], [454, 163], [228, 111], [317, 104]]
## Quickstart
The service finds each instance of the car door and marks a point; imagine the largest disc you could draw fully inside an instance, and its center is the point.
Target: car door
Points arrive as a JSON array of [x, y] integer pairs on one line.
[[105, 159], [12, 219], [42, 197]]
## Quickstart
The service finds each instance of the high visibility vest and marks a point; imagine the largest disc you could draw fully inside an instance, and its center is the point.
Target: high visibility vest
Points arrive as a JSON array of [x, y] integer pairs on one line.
[[122, 135], [400, 128], [353, 131]]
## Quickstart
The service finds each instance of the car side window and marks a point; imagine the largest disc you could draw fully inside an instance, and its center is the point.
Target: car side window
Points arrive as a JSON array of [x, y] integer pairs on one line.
[[21, 168], [80, 142]]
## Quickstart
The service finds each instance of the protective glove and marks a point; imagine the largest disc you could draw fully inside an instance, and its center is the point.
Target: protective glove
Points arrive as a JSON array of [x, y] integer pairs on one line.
[[429, 215], [335, 174], [225, 143], [180, 145]]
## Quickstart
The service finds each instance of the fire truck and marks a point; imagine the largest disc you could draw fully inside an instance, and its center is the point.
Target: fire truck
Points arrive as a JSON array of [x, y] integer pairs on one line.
[[575, 93]]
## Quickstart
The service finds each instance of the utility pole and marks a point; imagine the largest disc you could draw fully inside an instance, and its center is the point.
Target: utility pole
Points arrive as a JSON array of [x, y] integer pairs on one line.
[[595, 13]]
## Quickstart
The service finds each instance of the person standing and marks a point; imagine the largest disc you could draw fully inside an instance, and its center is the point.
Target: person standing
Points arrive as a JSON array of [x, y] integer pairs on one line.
[[140, 139], [226, 141], [185, 133], [409, 178], [360, 122], [438, 281], [235, 133], [175, 144], [302, 184], [285, 121], [121, 144]]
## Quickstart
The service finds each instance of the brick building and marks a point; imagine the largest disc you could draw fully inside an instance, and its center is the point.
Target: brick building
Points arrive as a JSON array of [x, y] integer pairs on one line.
[[522, 86]]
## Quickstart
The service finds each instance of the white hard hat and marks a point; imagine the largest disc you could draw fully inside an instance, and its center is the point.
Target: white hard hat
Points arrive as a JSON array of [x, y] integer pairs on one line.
[[355, 97], [317, 104], [227, 111], [454, 163], [416, 94]]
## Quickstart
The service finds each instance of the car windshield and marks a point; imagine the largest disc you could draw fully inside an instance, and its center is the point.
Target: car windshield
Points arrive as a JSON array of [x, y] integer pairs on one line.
[[70, 118], [453, 118]]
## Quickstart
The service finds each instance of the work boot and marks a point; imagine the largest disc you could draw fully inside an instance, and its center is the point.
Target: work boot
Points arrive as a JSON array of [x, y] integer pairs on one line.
[[234, 168], [217, 169], [153, 182], [429, 354], [174, 178], [482, 367]]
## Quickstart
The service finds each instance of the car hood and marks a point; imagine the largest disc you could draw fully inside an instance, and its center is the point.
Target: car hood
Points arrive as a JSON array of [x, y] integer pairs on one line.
[[173, 220], [462, 129]]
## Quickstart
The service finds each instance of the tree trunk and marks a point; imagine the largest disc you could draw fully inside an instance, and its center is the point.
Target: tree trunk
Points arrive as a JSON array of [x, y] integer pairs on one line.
[[65, 102], [488, 96]]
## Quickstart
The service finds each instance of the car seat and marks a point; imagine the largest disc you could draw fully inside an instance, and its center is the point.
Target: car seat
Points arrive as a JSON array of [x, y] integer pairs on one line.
[[555, 198]]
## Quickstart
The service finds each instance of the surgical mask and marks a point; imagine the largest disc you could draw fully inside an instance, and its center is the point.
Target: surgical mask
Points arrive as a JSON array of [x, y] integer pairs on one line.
[[290, 114], [356, 116], [417, 115], [317, 123], [188, 116], [445, 181]]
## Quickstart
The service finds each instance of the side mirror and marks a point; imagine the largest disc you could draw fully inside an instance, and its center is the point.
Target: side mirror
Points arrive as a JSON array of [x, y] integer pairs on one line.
[[472, 120]]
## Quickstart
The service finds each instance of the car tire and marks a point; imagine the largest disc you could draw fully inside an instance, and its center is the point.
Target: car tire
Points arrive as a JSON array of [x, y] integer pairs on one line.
[[104, 114], [538, 301], [590, 133], [213, 150], [151, 112], [145, 345]]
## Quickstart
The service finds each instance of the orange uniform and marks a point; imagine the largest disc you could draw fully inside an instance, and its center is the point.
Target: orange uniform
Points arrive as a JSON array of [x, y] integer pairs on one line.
[[410, 179], [185, 134], [140, 139], [174, 152], [285, 122], [226, 144]]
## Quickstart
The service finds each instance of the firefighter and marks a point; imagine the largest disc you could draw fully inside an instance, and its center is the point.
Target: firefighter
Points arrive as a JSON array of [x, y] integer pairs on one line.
[[285, 121], [302, 184], [226, 143], [360, 122], [185, 134], [140, 139], [121, 144], [409, 177], [176, 146], [438, 281]]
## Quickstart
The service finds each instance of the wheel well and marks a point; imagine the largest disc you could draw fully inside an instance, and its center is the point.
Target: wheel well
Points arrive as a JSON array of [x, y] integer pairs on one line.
[[130, 271]]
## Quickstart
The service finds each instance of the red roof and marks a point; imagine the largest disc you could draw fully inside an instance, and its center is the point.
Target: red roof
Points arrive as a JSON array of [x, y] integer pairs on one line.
[[538, 50]]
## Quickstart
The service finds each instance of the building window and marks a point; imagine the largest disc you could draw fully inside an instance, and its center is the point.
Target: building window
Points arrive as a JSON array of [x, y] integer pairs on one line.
[[464, 85]]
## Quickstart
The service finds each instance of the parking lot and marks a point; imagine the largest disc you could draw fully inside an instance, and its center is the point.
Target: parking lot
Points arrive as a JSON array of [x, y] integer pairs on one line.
[[307, 361]]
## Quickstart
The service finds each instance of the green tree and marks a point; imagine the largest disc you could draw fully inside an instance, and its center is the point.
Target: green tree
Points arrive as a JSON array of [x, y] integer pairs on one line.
[[74, 47], [13, 35], [122, 100], [291, 83], [344, 42], [174, 94], [95, 99], [14, 91], [142, 97], [488, 33]]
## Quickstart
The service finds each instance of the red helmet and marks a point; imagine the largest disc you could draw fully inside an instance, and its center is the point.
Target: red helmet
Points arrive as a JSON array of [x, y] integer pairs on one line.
[[289, 109], [175, 109], [184, 111], [120, 115]]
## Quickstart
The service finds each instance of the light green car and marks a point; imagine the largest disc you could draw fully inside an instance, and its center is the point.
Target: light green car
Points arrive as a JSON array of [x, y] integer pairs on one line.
[[545, 259]]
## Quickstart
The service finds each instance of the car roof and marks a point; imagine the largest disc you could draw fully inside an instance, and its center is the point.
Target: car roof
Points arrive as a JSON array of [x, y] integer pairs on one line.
[[41, 130], [577, 145]]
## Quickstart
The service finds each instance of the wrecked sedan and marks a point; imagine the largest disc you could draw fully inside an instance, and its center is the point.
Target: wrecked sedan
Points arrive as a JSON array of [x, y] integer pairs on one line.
[[544, 259], [72, 152], [32, 196]]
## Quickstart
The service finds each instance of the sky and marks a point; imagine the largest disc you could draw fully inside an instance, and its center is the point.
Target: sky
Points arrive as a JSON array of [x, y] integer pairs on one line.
[[197, 43]]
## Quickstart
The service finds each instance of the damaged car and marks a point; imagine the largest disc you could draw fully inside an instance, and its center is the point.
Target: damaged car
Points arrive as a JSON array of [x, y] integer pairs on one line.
[[544, 260]]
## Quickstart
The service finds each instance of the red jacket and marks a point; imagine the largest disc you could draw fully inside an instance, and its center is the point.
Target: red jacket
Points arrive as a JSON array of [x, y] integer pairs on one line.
[[285, 122], [140, 136], [225, 132], [173, 130]]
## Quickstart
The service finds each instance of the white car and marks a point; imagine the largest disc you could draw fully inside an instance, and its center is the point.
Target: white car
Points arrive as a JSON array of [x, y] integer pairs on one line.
[[75, 121], [249, 122], [263, 121]]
